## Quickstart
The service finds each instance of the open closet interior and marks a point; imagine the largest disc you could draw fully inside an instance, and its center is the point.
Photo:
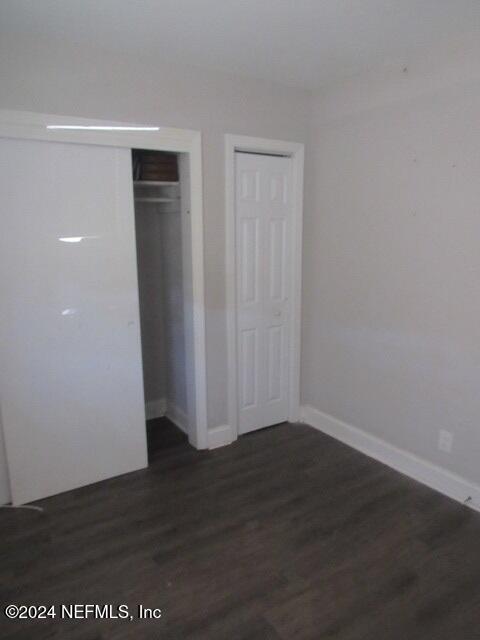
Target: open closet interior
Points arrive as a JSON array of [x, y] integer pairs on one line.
[[161, 263]]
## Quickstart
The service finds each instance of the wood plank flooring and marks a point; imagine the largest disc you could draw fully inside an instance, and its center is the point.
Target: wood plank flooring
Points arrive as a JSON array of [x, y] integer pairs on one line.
[[285, 534]]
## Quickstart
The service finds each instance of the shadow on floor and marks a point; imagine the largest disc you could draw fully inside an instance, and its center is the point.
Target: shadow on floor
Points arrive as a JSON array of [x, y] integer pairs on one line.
[[163, 435]]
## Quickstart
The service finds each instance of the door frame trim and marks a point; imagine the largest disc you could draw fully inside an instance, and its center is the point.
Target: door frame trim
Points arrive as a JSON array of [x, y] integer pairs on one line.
[[33, 126], [295, 151]]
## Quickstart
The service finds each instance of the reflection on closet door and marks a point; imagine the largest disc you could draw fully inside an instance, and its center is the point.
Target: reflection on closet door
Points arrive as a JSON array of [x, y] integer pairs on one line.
[[71, 386]]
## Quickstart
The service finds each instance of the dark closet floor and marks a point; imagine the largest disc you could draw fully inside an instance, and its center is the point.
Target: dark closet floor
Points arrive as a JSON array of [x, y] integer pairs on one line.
[[286, 534], [162, 434]]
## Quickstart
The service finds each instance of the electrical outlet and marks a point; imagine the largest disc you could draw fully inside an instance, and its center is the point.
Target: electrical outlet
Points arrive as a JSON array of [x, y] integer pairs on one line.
[[445, 441]]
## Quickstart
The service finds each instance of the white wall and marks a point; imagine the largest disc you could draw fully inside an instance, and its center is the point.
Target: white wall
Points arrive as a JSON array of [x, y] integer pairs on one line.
[[391, 331], [50, 77], [151, 295], [160, 279], [171, 232]]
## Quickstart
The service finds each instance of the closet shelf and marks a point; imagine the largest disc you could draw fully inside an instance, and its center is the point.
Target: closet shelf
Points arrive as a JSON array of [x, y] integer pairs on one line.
[[154, 183], [142, 199]]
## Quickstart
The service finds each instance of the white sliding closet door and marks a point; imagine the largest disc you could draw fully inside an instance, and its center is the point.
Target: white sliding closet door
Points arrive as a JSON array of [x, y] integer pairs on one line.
[[71, 387], [263, 210]]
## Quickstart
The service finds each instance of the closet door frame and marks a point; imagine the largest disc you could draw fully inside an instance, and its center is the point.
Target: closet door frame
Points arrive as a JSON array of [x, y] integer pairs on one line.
[[296, 152], [37, 126]]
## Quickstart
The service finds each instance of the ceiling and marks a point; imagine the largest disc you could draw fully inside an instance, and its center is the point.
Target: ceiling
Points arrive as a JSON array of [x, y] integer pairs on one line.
[[307, 43]]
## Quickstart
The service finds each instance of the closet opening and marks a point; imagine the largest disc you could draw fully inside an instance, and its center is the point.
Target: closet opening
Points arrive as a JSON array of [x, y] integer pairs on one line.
[[162, 226]]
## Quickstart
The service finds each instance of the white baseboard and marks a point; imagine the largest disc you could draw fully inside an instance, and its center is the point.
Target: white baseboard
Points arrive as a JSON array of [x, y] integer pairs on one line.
[[161, 407], [427, 473], [177, 416], [155, 408], [220, 436]]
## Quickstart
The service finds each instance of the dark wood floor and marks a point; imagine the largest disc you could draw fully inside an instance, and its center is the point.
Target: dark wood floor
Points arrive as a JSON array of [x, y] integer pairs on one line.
[[285, 534]]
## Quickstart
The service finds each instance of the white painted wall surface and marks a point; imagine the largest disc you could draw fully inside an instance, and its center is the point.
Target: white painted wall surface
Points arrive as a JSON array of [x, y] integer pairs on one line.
[[171, 247], [151, 289], [71, 380], [50, 76], [391, 331], [160, 278]]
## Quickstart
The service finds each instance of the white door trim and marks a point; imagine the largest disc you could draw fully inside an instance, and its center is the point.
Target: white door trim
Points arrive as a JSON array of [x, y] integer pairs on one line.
[[33, 126], [295, 151]]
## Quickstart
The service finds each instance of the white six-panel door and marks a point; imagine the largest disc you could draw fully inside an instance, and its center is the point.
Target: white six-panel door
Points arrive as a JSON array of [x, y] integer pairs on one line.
[[71, 387], [263, 212]]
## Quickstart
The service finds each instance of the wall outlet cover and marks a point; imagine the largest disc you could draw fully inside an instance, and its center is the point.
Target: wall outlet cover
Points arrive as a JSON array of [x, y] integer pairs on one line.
[[445, 440]]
